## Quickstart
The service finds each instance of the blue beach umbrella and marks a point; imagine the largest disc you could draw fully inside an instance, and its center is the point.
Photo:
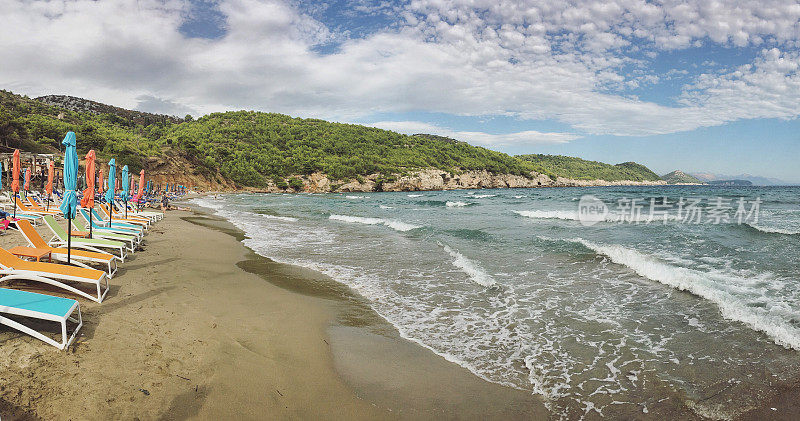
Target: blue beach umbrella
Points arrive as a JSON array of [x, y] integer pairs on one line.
[[126, 182], [70, 202], [111, 192]]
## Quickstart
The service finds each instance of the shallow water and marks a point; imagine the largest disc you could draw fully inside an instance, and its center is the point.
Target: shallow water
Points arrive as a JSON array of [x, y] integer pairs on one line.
[[616, 318]]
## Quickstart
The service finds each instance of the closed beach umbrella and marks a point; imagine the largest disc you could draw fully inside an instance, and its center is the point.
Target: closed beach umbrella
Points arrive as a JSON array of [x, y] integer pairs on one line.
[[141, 186], [27, 179], [100, 184], [111, 192], [48, 188], [88, 194], [15, 174], [124, 181], [70, 202]]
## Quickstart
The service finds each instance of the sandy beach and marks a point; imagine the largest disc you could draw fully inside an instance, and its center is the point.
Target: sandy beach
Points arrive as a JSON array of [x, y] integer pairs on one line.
[[197, 326]]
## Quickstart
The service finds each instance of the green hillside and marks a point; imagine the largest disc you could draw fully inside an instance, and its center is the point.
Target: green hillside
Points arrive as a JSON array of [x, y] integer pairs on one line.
[[676, 177], [581, 169], [255, 148], [252, 147]]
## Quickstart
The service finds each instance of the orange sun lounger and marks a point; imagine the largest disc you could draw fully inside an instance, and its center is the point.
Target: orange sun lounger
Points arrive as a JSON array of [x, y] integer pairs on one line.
[[77, 257]]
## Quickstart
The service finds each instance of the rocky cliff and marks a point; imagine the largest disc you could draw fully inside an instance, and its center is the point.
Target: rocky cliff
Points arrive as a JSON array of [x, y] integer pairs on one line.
[[432, 179]]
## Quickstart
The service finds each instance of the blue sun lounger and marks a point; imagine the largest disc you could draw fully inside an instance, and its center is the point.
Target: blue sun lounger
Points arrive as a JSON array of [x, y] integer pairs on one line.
[[42, 307]]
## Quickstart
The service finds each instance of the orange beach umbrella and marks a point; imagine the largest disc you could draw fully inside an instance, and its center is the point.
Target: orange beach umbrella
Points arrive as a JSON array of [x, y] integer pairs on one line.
[[27, 179], [15, 171], [88, 194], [141, 186], [100, 181], [50, 170]]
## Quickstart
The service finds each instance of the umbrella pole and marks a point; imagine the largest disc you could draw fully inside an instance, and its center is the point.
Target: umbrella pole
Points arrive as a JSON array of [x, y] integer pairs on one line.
[[69, 238], [126, 208], [15, 206], [90, 222]]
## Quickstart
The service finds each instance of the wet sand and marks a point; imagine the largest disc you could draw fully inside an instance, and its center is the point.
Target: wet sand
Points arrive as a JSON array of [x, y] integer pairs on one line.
[[196, 326]]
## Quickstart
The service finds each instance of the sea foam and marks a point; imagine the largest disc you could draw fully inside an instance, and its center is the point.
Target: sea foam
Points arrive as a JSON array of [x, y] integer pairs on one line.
[[540, 214], [730, 293], [472, 269], [456, 204], [395, 225], [772, 230]]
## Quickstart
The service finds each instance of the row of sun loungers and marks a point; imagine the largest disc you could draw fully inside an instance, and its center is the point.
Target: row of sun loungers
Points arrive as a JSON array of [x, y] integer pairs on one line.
[[93, 261]]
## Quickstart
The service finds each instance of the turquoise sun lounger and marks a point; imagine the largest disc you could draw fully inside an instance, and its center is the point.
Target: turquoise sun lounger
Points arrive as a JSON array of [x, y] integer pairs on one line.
[[42, 307]]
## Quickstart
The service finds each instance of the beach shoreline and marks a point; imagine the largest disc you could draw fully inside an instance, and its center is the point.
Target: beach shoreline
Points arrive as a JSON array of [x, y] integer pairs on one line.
[[191, 330]]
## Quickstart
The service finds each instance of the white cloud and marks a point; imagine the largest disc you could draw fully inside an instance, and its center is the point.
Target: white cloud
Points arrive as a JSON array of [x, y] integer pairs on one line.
[[529, 59], [528, 137]]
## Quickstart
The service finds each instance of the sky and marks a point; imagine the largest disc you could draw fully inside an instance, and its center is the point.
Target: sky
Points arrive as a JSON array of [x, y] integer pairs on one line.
[[696, 85]]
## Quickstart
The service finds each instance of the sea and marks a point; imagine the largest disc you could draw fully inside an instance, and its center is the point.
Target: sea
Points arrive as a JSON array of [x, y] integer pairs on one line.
[[605, 301]]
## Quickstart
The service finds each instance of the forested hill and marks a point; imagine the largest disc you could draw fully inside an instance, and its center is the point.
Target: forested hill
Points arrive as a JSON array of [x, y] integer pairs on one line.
[[581, 169], [252, 147], [255, 149]]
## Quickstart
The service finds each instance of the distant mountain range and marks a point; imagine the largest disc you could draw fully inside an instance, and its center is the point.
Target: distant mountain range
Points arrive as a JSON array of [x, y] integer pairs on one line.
[[756, 180]]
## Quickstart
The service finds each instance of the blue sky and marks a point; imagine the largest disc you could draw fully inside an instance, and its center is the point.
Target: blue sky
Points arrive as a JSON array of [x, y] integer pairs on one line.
[[701, 86]]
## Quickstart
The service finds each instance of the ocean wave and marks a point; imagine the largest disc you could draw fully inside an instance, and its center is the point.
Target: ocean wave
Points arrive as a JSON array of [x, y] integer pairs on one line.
[[415, 195], [482, 196], [355, 197], [519, 196], [395, 225], [457, 204], [771, 230], [733, 295], [642, 219], [279, 218], [539, 214], [472, 269], [386, 207]]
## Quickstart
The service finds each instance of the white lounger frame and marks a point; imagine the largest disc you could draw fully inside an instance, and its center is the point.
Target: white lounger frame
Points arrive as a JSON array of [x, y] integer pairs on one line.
[[9, 274], [65, 340]]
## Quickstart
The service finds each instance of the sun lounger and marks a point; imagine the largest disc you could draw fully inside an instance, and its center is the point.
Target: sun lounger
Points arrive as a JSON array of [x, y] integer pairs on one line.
[[42, 307], [119, 217], [21, 206], [136, 231], [115, 223], [77, 257], [92, 244], [12, 267], [151, 215], [131, 241]]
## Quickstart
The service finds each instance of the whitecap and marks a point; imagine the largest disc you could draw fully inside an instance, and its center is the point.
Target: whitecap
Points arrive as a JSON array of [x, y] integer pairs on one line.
[[472, 269], [456, 204], [730, 293], [395, 225]]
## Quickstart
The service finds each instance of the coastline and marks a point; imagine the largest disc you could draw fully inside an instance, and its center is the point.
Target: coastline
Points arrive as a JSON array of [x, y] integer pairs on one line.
[[191, 329]]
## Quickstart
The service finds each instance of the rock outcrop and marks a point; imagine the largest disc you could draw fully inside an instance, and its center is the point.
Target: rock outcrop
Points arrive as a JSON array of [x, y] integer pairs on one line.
[[433, 179]]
